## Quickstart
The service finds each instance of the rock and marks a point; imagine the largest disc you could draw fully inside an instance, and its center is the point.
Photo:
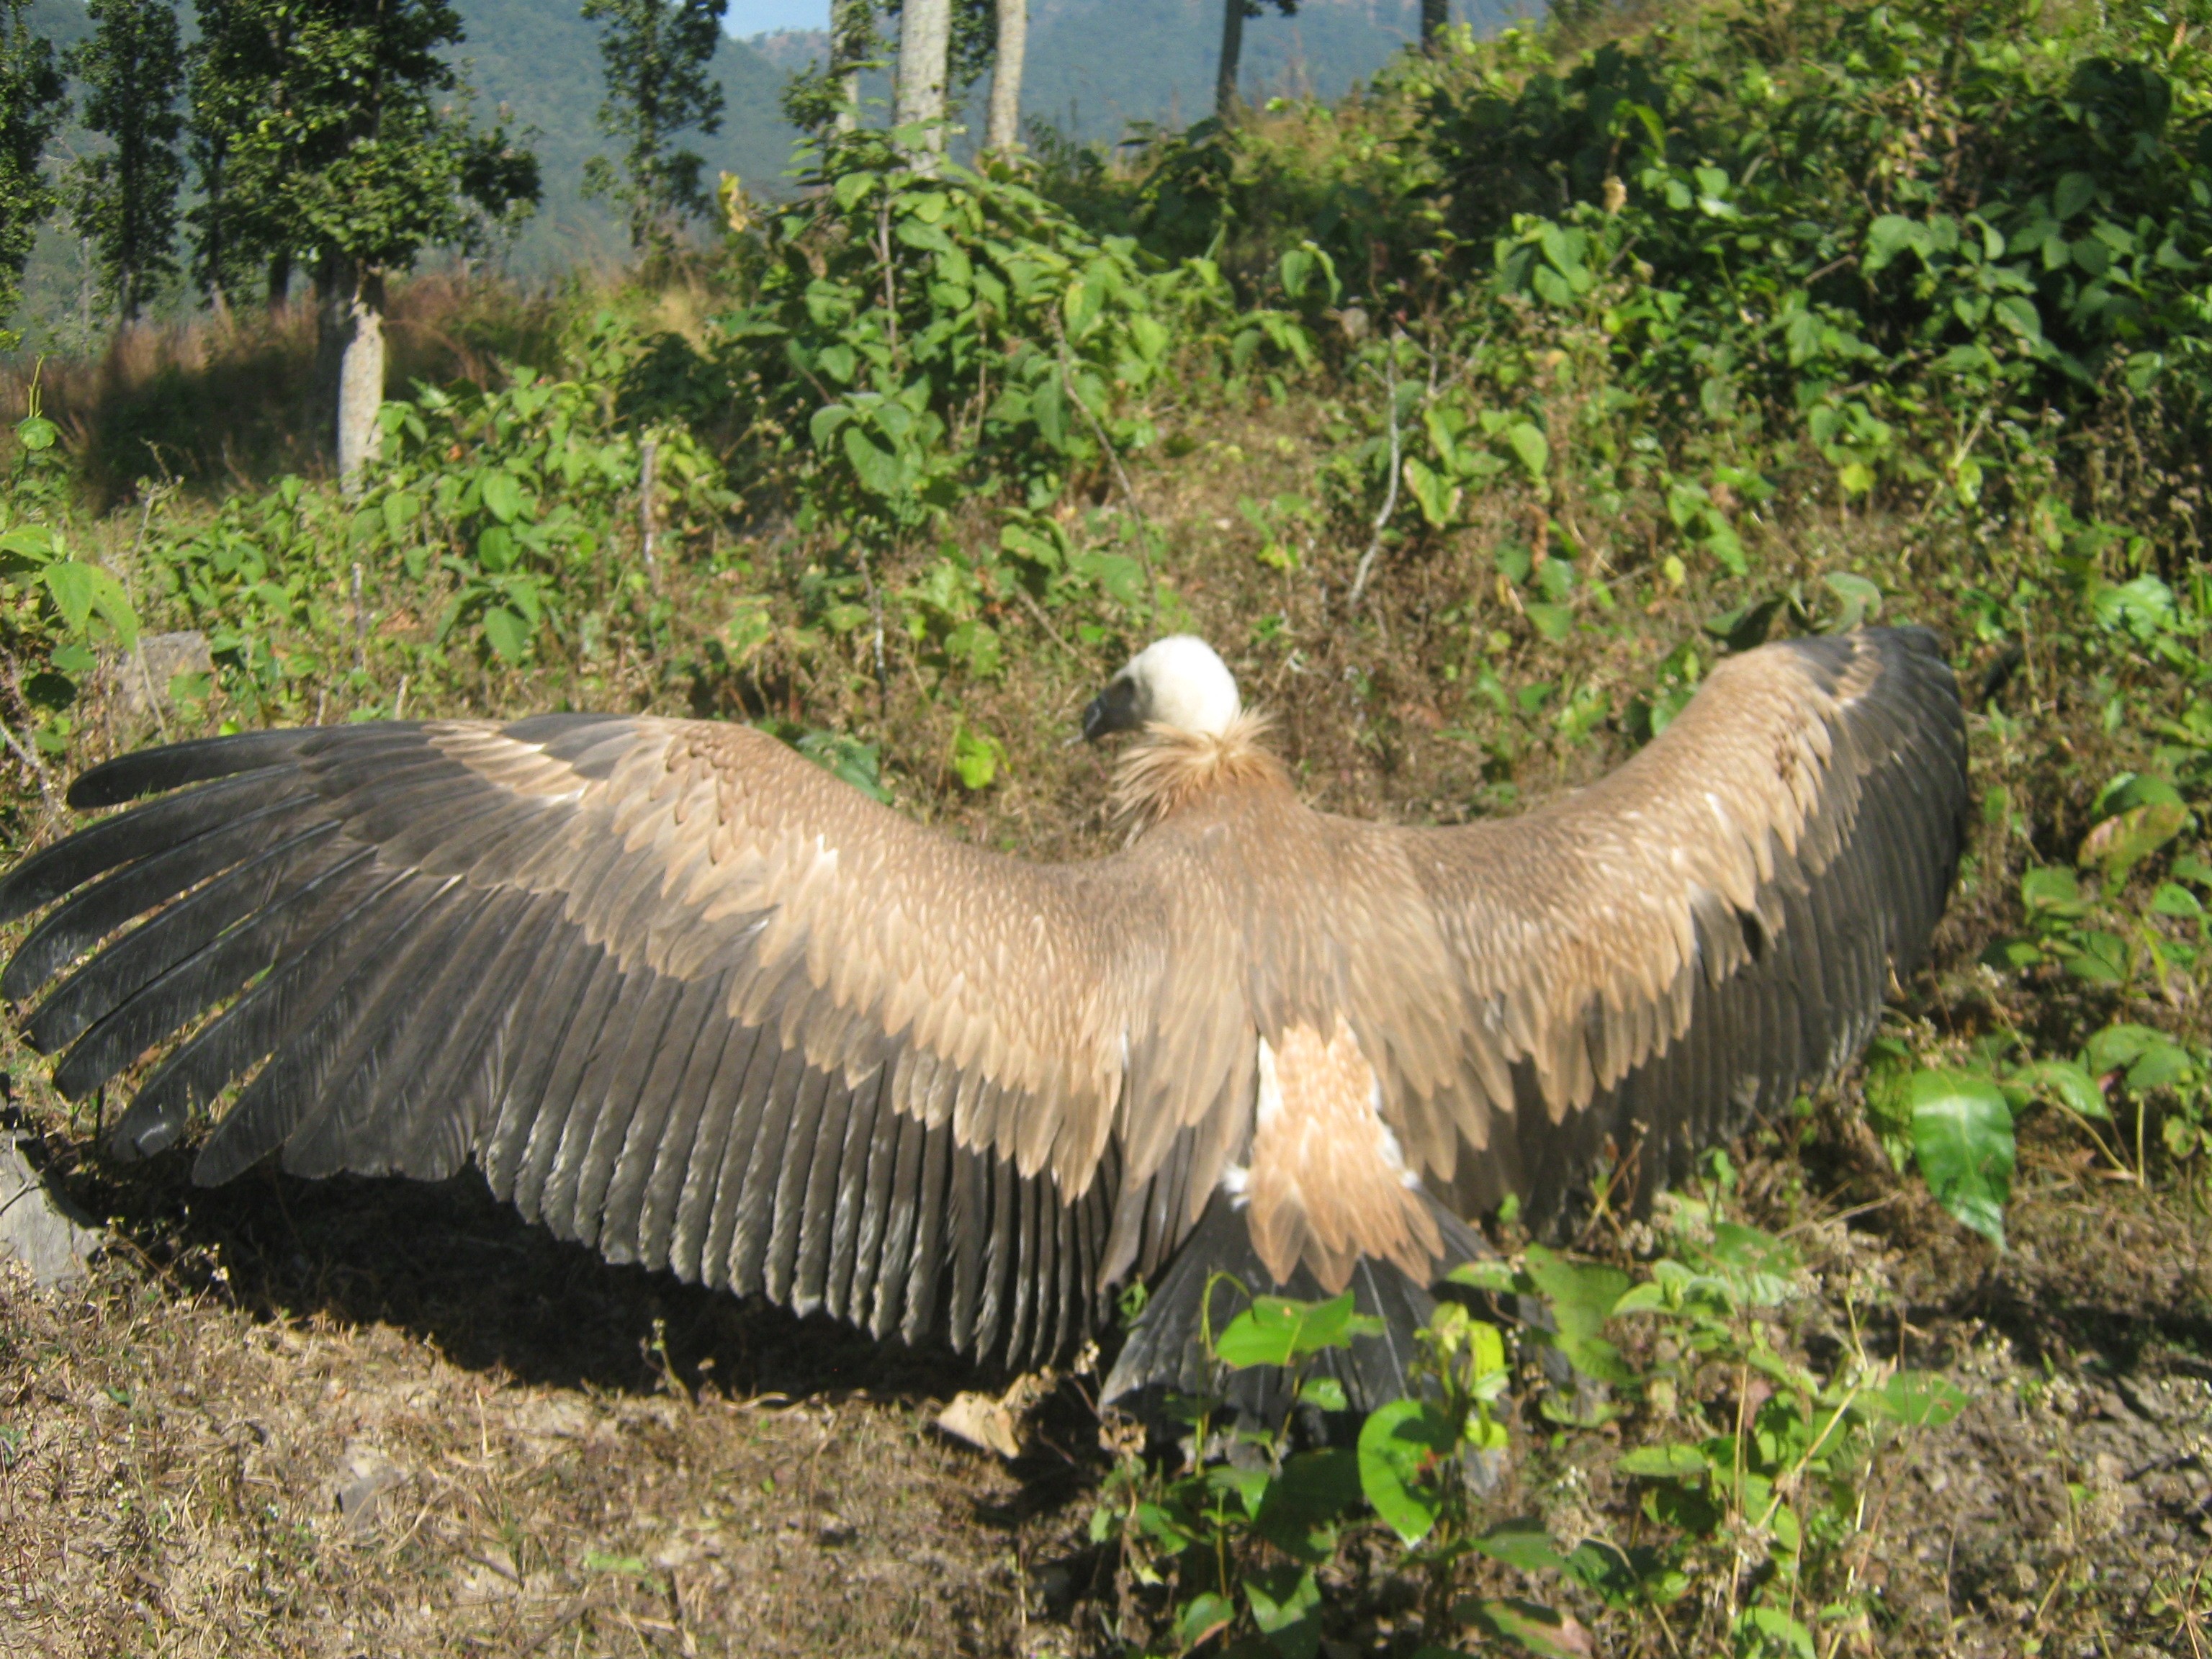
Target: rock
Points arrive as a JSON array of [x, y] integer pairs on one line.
[[141, 678], [364, 1479], [39, 1228]]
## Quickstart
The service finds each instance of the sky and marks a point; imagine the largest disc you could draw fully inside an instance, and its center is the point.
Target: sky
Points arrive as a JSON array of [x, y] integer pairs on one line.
[[748, 17]]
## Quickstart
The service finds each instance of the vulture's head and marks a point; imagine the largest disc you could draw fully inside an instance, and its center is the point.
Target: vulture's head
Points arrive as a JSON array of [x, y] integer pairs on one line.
[[1177, 683]]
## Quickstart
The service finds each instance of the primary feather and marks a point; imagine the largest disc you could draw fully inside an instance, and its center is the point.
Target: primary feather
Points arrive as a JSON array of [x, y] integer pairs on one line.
[[687, 998]]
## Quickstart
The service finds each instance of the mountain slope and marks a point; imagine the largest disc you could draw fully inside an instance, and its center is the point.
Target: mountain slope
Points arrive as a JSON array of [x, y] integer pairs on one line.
[[541, 59]]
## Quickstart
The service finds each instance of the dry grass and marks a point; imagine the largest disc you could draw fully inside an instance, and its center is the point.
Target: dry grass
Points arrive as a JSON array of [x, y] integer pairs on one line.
[[236, 399]]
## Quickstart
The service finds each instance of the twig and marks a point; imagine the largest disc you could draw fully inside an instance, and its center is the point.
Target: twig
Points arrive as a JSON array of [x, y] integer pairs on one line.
[[153, 697], [46, 790], [1042, 621], [876, 614], [38, 767], [400, 703], [360, 625], [890, 288], [1390, 497], [649, 453]]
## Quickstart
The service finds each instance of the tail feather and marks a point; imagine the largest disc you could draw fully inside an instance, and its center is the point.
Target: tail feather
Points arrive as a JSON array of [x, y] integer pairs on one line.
[[1214, 1277]]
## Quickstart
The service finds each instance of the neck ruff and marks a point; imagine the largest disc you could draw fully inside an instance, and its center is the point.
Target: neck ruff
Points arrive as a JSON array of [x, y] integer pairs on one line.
[[1165, 769]]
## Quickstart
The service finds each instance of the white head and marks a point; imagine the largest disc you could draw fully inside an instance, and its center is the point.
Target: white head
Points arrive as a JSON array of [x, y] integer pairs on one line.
[[1176, 682]]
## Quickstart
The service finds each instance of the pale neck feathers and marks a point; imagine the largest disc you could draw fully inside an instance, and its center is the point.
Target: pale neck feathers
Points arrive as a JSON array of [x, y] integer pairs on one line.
[[1165, 769]]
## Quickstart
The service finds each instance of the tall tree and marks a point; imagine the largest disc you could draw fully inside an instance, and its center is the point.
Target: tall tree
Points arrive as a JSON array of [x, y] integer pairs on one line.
[[1004, 132], [656, 55], [30, 107], [125, 198], [226, 72], [342, 151], [924, 66], [1233, 14], [1435, 14], [853, 41]]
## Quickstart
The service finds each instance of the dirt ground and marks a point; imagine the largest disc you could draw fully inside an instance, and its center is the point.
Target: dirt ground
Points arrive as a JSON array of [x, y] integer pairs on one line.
[[363, 1417]]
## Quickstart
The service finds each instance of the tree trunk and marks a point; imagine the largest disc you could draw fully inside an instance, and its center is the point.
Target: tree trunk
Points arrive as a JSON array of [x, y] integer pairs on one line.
[[1435, 14], [361, 381], [925, 38], [849, 22], [1005, 131], [1232, 49]]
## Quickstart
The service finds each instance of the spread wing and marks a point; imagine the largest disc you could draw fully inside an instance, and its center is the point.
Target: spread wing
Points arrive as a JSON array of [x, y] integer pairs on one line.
[[682, 995], [1698, 936]]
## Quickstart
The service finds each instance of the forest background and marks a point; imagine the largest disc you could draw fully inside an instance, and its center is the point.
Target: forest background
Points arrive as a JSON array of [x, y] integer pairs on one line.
[[1474, 414]]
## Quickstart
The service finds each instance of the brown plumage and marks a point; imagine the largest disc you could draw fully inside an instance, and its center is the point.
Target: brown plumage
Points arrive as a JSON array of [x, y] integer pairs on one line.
[[685, 997]]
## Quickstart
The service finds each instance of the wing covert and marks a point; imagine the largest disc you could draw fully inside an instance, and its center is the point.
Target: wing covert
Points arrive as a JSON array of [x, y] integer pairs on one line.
[[1696, 936]]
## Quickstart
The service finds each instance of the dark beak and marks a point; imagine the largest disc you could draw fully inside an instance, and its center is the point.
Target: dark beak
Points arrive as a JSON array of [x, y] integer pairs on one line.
[[1114, 709]]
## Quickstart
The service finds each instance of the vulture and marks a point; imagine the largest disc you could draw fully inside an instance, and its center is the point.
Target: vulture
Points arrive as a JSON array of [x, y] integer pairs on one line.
[[683, 996]]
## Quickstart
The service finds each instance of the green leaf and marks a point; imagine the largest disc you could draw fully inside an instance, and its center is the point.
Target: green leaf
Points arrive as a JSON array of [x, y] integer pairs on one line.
[[502, 496], [2162, 1065], [1553, 621], [82, 591], [877, 470], [977, 757], [2174, 900], [1437, 497], [1532, 447], [1521, 1543], [2018, 312], [399, 510], [626, 1567], [1275, 1330], [1533, 1627], [508, 633], [1918, 1400], [1399, 1445], [1582, 1295], [2118, 1046], [1664, 1462], [28, 546], [2073, 192], [2099, 957], [1886, 237], [2067, 1084], [1202, 1616], [1962, 1141], [1323, 1394], [2047, 888], [2118, 844], [1860, 599], [1298, 1513], [1488, 1274], [846, 757], [1284, 1601]]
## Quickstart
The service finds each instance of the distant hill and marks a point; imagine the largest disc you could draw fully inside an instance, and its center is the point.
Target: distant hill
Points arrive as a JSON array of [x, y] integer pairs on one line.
[[541, 59]]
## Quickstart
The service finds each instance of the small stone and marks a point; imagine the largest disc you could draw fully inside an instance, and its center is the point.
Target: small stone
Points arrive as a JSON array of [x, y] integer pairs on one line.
[[142, 676], [364, 1477], [38, 1227]]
